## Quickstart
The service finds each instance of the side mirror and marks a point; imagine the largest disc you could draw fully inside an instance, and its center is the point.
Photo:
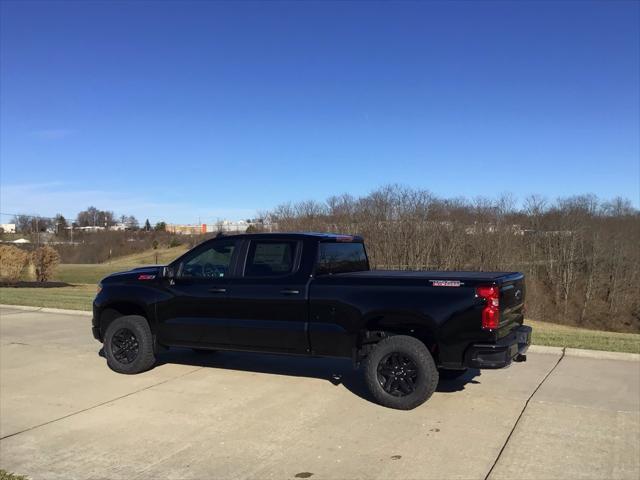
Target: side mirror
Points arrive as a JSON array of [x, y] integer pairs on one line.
[[169, 272]]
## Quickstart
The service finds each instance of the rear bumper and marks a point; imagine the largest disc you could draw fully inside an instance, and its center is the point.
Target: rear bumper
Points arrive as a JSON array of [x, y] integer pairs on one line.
[[501, 353]]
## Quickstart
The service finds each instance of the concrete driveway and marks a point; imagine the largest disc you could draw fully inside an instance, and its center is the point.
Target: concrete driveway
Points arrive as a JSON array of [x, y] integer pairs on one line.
[[64, 414]]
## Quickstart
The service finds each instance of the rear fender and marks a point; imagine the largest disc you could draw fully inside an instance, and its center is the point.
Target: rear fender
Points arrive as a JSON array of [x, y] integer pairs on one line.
[[399, 323]]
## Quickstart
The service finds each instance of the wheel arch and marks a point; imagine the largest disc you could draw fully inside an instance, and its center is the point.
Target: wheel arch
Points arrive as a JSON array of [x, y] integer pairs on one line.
[[400, 323], [116, 310]]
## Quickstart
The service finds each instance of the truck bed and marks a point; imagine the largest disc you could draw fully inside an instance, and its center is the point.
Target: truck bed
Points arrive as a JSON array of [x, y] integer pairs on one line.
[[435, 275]]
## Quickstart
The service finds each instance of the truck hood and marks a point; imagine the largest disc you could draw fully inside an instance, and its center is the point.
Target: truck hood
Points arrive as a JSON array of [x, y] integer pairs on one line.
[[134, 273]]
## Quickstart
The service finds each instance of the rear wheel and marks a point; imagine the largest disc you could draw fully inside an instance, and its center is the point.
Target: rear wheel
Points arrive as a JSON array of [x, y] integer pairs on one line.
[[400, 372], [128, 345]]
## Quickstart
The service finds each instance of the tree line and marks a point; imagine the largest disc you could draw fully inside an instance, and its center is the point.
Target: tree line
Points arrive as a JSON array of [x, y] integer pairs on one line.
[[580, 255], [90, 217]]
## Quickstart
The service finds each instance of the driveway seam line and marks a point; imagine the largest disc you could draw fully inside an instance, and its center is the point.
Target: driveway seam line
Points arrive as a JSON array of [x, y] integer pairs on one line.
[[21, 312], [526, 404], [584, 407], [99, 404]]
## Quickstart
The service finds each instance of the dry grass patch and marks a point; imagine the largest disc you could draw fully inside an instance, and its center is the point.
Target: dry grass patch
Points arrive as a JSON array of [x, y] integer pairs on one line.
[[76, 297], [555, 335], [94, 272]]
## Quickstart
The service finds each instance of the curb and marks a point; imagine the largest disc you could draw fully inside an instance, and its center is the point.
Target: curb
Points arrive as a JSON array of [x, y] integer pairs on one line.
[[582, 353], [545, 349], [65, 311], [602, 354]]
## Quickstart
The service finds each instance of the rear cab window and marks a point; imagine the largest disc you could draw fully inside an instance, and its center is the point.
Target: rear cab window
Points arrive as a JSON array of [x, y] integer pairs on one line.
[[270, 258], [341, 257]]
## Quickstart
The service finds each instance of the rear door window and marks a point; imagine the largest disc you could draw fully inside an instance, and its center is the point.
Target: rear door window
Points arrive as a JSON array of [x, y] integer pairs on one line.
[[341, 258], [270, 259]]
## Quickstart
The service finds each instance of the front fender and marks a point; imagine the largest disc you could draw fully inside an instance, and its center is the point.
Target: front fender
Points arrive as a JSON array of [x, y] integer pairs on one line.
[[126, 300]]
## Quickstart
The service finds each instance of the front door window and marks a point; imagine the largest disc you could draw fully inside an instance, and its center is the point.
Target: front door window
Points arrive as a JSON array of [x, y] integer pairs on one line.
[[213, 262]]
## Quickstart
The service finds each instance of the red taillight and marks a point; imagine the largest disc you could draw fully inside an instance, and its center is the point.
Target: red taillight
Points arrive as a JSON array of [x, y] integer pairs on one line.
[[491, 310]]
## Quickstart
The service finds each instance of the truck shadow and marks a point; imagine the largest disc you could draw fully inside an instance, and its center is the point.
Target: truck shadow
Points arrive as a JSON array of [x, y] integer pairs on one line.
[[334, 370]]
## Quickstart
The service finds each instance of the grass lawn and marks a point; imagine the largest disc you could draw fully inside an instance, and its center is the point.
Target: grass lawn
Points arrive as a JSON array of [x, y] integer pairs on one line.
[[83, 278], [563, 336], [84, 273], [4, 475], [76, 297], [160, 256], [79, 297], [93, 273]]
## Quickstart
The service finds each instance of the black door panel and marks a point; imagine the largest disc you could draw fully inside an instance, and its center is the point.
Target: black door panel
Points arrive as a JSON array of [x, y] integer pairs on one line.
[[195, 315], [269, 304], [198, 310], [263, 318]]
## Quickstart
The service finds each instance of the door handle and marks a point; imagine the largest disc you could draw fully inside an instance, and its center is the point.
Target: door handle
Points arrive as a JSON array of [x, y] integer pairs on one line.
[[287, 291], [218, 290]]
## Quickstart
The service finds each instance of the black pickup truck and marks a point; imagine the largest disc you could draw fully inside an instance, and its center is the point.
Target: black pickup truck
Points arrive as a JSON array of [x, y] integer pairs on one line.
[[314, 294]]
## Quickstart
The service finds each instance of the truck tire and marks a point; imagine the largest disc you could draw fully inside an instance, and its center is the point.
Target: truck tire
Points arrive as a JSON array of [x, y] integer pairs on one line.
[[128, 345], [400, 372], [448, 374]]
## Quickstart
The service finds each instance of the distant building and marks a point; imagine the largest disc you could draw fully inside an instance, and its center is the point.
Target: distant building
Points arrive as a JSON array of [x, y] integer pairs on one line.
[[225, 226], [186, 229], [8, 227], [121, 227], [229, 226], [90, 228]]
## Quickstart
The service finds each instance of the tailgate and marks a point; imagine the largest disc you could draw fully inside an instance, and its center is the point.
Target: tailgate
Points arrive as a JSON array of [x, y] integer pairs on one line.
[[512, 294]]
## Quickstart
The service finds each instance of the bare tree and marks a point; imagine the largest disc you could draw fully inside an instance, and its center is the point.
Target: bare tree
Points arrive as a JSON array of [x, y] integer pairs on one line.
[[580, 255]]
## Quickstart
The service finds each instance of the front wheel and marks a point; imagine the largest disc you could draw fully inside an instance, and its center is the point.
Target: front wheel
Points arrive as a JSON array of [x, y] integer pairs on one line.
[[128, 345], [400, 372]]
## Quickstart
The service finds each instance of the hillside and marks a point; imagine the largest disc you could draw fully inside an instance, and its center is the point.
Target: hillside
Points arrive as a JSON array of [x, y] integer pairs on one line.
[[149, 257], [75, 273]]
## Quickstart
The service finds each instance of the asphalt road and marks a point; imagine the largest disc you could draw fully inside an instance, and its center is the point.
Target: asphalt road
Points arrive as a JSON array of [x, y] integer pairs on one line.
[[64, 414]]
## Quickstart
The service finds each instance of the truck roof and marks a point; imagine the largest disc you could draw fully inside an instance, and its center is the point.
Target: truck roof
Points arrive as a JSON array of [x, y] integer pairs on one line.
[[315, 235]]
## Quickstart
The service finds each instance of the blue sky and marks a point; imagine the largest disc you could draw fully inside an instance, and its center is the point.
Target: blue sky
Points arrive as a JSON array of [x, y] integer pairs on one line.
[[179, 111]]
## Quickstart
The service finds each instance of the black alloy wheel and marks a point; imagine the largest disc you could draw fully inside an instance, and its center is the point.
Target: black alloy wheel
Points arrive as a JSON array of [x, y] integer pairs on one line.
[[125, 346], [398, 374], [129, 345]]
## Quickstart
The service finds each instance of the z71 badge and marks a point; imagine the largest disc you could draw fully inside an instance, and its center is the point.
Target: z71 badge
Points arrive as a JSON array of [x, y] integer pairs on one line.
[[446, 283]]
